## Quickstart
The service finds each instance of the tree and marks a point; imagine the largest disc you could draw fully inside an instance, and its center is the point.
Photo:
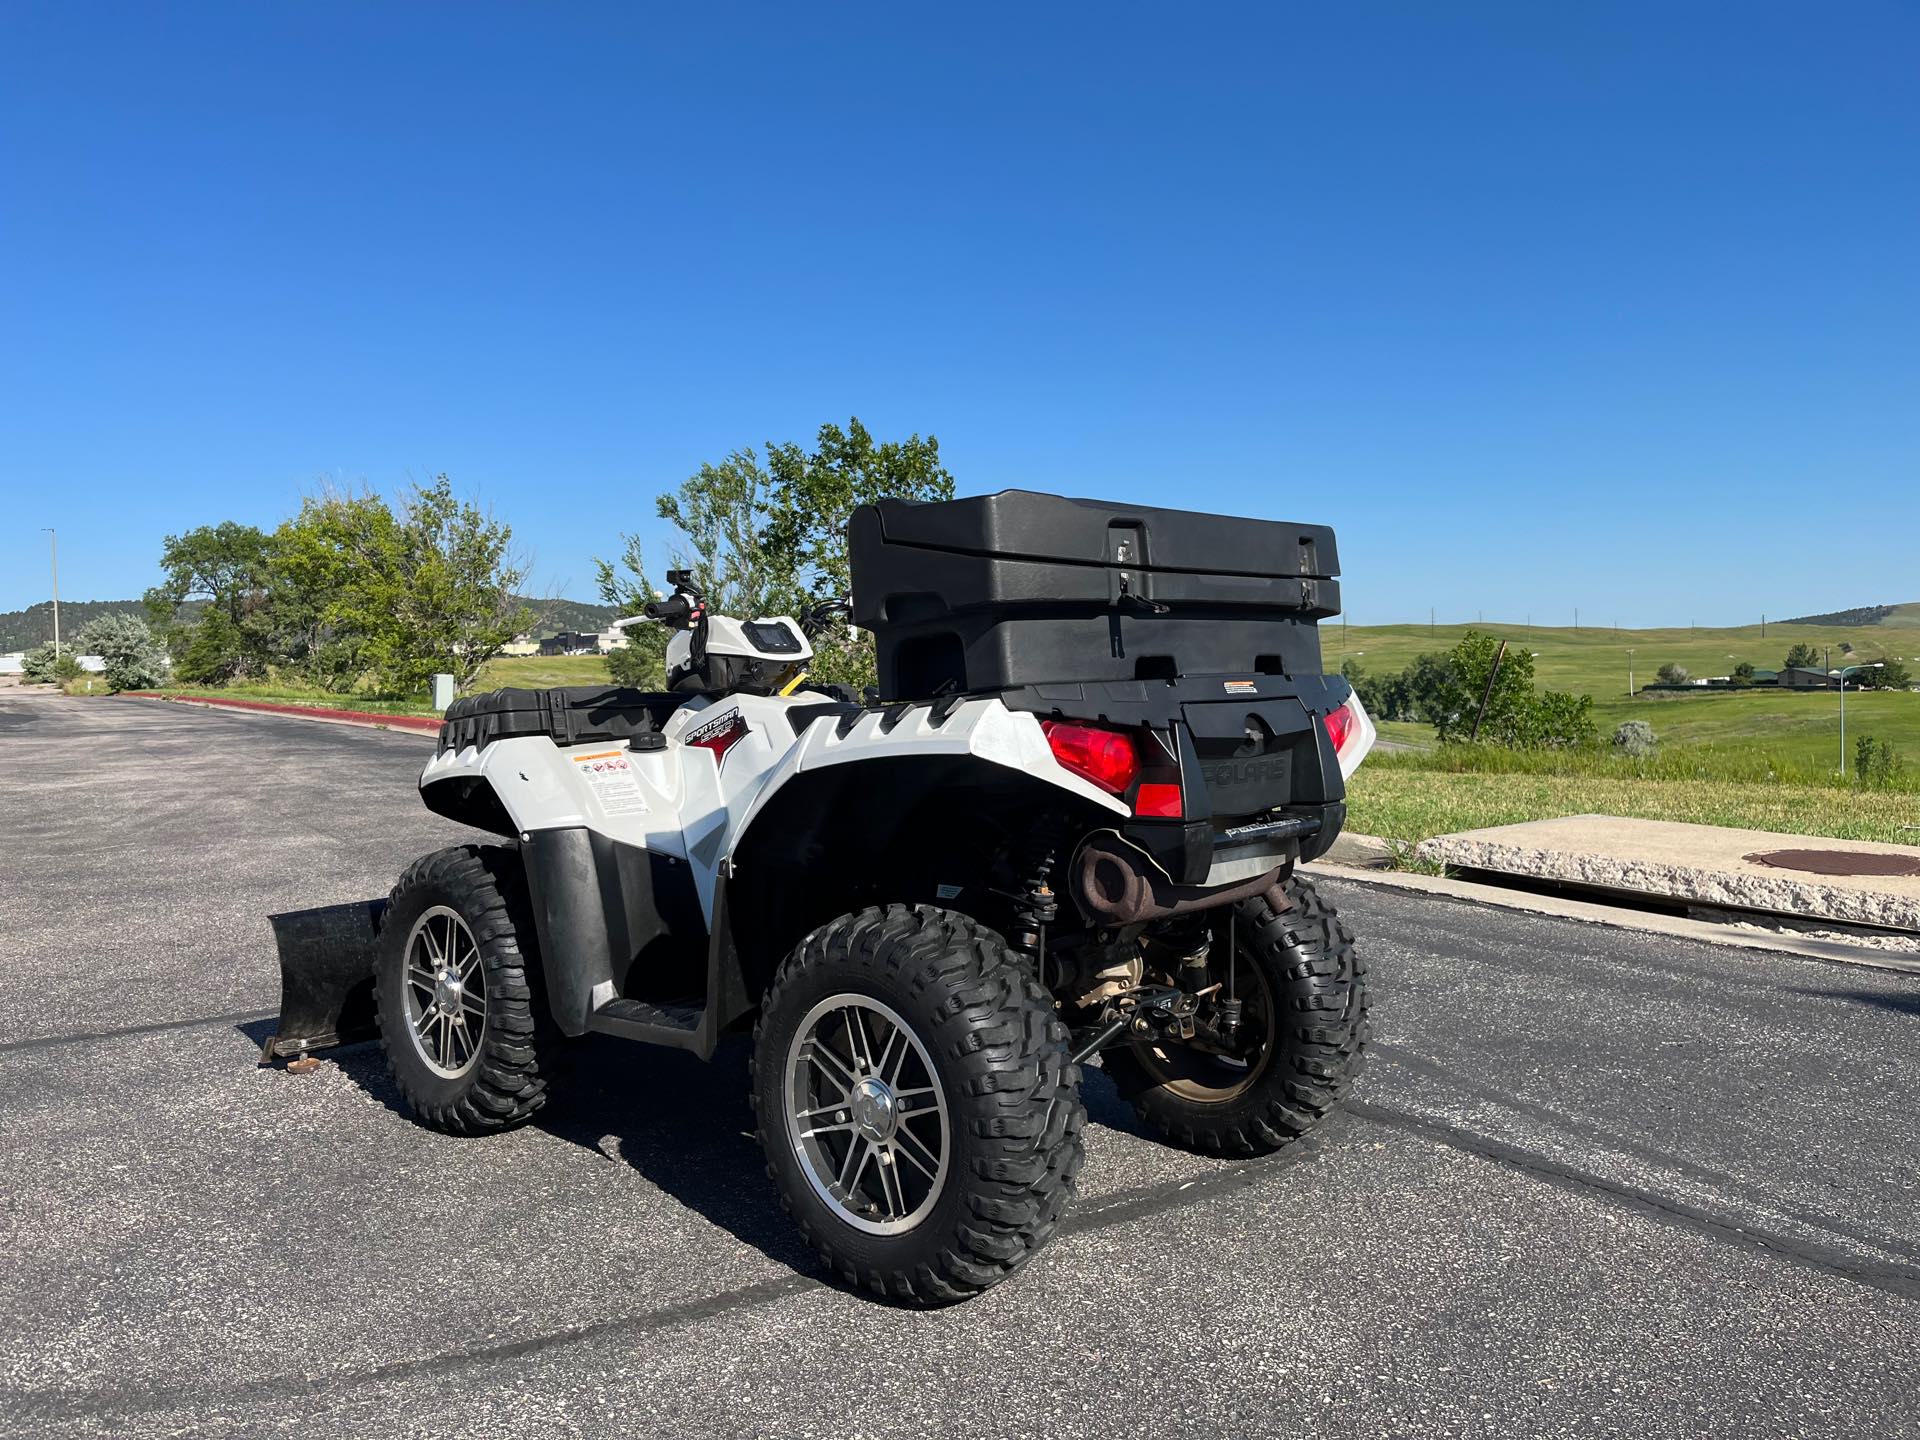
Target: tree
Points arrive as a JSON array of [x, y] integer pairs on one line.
[[134, 657], [1743, 673], [1802, 656], [764, 540], [404, 596], [1674, 674], [226, 567], [1887, 675], [1516, 717], [1509, 703]]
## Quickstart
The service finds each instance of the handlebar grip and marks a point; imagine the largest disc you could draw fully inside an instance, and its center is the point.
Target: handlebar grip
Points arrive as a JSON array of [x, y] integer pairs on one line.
[[673, 611]]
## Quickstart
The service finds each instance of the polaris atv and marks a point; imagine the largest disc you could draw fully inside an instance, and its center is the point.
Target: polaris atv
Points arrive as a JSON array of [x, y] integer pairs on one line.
[[1066, 824]]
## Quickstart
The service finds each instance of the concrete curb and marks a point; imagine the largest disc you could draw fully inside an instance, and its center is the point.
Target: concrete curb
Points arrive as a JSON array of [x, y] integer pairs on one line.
[[365, 719], [1834, 952]]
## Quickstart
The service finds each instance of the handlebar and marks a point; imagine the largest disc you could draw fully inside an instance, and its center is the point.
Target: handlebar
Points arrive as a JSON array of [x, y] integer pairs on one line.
[[675, 612]]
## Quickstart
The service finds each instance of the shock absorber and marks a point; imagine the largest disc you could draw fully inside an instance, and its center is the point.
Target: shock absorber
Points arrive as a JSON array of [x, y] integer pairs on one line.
[[1036, 906]]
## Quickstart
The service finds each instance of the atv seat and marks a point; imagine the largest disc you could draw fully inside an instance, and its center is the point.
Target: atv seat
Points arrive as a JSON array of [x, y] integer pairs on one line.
[[571, 715]]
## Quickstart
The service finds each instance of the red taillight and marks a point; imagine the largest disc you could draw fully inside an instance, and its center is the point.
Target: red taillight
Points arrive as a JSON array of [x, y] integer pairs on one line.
[[1339, 725], [1106, 757], [1157, 800]]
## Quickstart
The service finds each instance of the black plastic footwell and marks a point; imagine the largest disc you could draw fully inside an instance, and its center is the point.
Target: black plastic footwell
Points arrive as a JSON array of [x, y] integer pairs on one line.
[[326, 977]]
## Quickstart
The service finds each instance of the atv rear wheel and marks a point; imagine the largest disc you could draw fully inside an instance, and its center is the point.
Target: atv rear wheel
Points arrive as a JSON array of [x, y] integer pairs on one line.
[[1304, 994], [455, 986], [917, 1103]]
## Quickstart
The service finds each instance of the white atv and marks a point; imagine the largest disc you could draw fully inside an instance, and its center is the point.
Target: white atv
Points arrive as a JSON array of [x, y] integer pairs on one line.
[[1066, 825]]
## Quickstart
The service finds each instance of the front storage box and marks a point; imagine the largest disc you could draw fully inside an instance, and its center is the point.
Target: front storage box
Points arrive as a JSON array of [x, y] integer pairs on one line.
[[1018, 588]]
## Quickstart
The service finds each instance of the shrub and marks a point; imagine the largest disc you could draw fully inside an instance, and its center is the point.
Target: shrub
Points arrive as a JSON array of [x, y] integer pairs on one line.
[[638, 666], [1876, 762], [37, 665], [134, 658], [1634, 738], [1743, 673], [67, 667], [1672, 674]]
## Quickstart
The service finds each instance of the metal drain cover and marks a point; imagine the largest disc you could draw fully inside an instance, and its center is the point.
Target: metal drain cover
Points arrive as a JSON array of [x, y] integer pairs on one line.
[[1838, 862]]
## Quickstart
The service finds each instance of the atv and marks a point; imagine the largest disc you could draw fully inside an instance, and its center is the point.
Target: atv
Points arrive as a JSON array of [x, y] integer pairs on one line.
[[1065, 824]]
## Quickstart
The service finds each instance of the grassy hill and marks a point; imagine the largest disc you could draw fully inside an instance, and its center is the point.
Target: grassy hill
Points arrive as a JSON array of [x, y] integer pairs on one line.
[[1748, 733], [1594, 661]]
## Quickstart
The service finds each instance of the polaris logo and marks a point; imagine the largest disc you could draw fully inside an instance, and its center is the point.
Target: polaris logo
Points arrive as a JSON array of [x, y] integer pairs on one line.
[[1259, 770]]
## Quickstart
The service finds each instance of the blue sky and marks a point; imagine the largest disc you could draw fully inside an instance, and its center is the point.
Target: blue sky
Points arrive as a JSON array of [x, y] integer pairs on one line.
[[1540, 305]]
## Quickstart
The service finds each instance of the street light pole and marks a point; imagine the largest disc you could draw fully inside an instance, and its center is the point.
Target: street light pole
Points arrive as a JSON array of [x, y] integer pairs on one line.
[[53, 542]]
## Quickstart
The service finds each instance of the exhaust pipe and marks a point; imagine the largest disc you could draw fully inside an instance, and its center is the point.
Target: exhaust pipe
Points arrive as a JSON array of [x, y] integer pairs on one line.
[[1115, 882]]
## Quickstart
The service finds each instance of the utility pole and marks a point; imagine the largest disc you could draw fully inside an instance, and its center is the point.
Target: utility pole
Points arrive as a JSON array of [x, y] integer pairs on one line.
[[53, 542], [1576, 619], [1430, 619]]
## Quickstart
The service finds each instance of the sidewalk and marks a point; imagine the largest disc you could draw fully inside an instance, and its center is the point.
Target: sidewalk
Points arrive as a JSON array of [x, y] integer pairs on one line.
[[1852, 882]]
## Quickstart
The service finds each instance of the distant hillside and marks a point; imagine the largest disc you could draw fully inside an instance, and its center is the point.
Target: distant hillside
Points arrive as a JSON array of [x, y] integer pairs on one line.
[[553, 616], [23, 629], [1864, 615]]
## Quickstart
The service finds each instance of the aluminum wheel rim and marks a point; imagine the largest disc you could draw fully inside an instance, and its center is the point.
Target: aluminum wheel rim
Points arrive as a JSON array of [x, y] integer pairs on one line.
[[444, 993], [867, 1115]]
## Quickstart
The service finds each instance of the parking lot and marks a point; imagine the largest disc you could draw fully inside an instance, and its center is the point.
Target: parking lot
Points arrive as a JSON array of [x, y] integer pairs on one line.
[[1596, 1183]]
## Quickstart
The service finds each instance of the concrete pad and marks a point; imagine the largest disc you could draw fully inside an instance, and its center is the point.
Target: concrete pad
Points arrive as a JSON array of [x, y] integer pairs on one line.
[[1698, 864]]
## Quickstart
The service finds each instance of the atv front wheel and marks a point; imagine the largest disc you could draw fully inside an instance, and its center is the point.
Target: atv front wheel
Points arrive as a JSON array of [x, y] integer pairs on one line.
[[1304, 996], [455, 987], [919, 1109]]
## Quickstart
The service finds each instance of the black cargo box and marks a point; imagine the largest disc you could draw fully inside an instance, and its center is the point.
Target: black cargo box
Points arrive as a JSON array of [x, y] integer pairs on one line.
[[1020, 588], [571, 714]]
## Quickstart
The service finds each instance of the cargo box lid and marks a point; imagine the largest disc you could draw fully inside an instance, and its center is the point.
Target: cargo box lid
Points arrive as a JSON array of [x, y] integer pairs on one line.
[[1027, 525]]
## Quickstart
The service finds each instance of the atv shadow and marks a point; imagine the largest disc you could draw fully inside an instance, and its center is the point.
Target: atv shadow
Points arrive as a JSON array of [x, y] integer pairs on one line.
[[685, 1125]]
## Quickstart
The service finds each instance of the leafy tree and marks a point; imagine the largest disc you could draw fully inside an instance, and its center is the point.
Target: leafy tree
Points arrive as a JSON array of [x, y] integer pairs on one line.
[[1516, 717], [1509, 704], [764, 539], [1743, 673], [1674, 674], [402, 596], [227, 567], [134, 657], [1802, 656], [1888, 675]]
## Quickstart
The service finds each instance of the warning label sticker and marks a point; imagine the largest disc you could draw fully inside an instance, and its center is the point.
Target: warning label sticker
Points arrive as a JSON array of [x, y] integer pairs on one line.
[[609, 774]]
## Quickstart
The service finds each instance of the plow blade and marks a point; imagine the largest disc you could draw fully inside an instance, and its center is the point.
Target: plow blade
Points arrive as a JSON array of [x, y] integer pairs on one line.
[[326, 977]]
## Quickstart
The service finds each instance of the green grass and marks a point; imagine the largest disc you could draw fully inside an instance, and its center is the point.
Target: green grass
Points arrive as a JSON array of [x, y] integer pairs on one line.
[[530, 671], [1400, 799], [1593, 661], [538, 671], [1769, 760]]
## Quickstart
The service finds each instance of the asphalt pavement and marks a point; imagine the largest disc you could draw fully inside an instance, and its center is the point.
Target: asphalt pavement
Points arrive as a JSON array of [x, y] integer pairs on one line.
[[1595, 1183]]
